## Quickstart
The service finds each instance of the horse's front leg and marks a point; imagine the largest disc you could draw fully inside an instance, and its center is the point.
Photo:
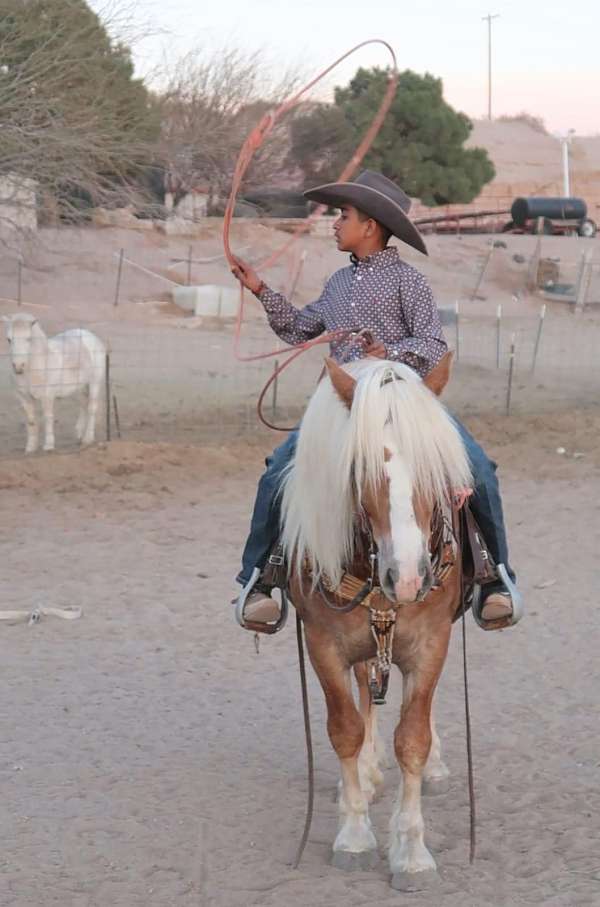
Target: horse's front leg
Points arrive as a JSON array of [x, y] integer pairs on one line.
[[411, 864], [435, 774], [372, 753], [48, 410], [31, 421], [355, 846]]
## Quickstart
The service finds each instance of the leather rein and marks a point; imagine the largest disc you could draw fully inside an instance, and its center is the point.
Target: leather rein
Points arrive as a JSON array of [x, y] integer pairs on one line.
[[444, 539]]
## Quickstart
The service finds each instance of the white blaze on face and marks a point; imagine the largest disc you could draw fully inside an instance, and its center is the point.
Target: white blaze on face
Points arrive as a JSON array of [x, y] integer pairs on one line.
[[408, 543]]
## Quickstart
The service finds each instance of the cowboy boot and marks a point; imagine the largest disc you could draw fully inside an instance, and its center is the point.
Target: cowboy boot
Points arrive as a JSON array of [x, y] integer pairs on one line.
[[260, 607]]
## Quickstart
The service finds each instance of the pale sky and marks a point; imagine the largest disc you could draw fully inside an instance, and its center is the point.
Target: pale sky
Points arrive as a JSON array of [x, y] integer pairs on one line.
[[545, 55]]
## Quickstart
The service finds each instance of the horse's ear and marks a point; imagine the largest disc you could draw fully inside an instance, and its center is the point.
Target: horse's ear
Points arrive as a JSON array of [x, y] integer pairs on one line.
[[437, 379], [343, 383]]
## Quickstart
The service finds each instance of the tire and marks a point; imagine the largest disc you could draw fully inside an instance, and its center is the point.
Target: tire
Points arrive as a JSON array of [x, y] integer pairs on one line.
[[587, 228]]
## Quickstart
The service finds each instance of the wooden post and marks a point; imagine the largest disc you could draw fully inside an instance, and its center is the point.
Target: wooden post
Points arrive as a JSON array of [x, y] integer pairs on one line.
[[297, 274], [531, 284], [189, 267], [482, 274], [538, 337], [119, 272], [275, 387], [583, 281], [498, 327], [107, 393], [511, 367], [457, 330], [116, 412]]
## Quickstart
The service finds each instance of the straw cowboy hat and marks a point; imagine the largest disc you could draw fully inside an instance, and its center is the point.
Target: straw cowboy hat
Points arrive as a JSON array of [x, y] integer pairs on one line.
[[377, 196]]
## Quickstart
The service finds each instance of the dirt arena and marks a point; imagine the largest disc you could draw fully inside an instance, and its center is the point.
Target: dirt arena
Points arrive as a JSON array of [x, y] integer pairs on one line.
[[151, 758]]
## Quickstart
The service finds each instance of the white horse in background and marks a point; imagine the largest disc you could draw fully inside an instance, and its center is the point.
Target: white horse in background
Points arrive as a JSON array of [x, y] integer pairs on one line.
[[45, 368]]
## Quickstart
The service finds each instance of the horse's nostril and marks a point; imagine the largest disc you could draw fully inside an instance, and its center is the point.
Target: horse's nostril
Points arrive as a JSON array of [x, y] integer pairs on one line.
[[391, 577]]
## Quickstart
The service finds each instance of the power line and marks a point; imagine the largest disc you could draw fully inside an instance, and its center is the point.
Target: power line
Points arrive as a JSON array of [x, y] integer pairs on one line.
[[488, 19]]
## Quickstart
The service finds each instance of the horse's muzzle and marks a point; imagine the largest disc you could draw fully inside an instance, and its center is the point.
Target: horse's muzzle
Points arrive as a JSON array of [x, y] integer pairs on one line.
[[406, 592]]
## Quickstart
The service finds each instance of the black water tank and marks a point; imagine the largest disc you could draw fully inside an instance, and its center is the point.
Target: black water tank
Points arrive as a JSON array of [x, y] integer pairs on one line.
[[524, 209]]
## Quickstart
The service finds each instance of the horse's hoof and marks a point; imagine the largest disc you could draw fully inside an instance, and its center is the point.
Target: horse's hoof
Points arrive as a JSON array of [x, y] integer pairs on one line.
[[433, 787], [348, 861], [415, 881]]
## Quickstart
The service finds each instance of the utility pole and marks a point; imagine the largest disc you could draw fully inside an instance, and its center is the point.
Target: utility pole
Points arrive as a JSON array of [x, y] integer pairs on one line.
[[565, 142], [488, 19]]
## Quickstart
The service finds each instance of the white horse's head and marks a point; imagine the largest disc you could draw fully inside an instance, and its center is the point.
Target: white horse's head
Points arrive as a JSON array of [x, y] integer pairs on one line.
[[391, 450], [20, 333]]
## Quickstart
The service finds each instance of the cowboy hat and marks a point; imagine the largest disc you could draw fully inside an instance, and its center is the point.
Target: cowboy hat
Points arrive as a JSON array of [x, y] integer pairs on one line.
[[376, 196]]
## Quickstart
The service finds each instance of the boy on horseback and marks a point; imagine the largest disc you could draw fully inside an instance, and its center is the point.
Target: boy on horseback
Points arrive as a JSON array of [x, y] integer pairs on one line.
[[380, 293]]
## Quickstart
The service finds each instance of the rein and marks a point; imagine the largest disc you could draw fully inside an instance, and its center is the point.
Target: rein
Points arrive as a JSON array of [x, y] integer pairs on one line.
[[456, 535], [330, 337]]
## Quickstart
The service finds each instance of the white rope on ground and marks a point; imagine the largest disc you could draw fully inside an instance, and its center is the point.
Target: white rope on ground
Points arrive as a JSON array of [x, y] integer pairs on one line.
[[35, 615], [133, 264], [202, 261]]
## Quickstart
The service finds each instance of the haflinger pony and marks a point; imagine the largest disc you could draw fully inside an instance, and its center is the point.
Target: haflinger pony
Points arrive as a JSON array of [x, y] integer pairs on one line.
[[46, 368], [378, 460]]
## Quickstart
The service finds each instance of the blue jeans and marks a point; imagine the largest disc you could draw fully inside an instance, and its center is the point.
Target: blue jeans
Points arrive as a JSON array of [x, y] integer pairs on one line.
[[264, 528]]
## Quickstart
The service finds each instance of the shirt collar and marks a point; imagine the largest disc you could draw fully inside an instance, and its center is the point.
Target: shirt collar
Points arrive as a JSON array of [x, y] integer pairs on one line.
[[380, 259]]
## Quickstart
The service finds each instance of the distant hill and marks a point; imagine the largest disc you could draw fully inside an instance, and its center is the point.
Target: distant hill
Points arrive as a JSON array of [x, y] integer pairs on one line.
[[528, 161]]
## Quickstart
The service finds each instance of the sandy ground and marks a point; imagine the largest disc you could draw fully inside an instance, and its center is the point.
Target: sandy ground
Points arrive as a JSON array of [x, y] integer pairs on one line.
[[150, 757]]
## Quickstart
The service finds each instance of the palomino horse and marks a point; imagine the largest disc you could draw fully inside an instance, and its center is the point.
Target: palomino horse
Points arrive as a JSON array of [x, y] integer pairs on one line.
[[376, 448], [45, 368]]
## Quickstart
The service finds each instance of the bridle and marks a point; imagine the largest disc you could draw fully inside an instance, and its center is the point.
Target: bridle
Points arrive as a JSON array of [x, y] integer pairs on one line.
[[442, 552]]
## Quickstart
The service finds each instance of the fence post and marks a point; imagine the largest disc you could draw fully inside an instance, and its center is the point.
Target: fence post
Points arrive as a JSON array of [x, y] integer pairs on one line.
[[511, 367], [116, 412], [119, 271], [583, 281], [498, 328], [19, 281], [297, 274], [107, 393], [538, 337], [275, 387], [457, 329], [482, 274], [189, 267], [531, 284]]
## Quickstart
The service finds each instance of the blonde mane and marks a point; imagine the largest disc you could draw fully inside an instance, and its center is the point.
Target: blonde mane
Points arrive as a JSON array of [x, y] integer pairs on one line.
[[341, 451]]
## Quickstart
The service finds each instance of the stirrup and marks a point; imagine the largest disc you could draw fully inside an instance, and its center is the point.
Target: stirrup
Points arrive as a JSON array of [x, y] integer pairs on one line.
[[518, 608], [255, 625]]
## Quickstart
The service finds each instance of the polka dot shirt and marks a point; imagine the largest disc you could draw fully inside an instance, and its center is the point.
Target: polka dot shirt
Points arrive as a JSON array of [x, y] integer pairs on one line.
[[381, 293]]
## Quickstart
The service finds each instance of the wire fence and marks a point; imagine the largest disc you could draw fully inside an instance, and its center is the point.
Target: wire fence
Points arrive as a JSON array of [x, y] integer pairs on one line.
[[177, 380]]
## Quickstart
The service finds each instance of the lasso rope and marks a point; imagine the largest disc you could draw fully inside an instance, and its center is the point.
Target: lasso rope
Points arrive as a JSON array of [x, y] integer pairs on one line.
[[255, 140]]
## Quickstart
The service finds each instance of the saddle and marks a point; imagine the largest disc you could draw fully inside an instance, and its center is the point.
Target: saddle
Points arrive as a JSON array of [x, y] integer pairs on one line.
[[459, 533], [477, 562]]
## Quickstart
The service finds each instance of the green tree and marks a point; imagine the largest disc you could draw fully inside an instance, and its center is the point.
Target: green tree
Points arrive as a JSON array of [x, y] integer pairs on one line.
[[420, 145], [73, 116]]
